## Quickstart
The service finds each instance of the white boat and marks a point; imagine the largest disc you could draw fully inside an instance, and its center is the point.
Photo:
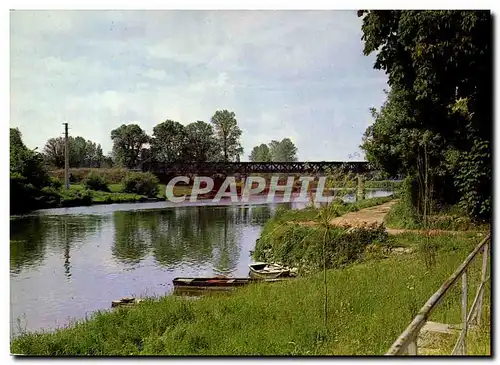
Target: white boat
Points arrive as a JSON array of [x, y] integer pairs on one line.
[[265, 270]]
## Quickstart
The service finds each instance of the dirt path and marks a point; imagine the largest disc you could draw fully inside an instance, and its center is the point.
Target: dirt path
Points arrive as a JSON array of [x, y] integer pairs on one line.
[[370, 215], [376, 215]]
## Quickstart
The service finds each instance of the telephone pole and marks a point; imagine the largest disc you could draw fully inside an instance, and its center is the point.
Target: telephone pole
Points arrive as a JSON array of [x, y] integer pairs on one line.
[[66, 156]]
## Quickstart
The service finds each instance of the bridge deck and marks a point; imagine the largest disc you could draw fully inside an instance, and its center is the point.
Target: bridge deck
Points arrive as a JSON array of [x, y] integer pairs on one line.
[[253, 167]]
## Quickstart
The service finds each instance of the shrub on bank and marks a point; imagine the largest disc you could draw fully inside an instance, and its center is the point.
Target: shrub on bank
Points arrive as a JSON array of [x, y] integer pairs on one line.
[[389, 185], [96, 182], [301, 246], [23, 196], [312, 214], [296, 237], [55, 183], [142, 183], [72, 198], [77, 175], [404, 215], [100, 197]]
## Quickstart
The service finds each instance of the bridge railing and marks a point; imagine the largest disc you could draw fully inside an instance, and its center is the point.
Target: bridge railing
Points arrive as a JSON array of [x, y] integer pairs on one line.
[[253, 167], [406, 343]]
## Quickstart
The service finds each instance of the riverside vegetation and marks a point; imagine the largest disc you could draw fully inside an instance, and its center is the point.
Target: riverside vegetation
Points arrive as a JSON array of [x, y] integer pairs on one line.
[[435, 129], [372, 296]]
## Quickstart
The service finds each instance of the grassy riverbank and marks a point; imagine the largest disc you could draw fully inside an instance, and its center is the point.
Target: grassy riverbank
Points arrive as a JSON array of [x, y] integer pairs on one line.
[[403, 216], [369, 305], [299, 238]]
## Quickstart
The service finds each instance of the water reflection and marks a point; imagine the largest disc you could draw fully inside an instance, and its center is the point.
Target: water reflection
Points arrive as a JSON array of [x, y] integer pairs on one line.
[[193, 235], [66, 263], [31, 238]]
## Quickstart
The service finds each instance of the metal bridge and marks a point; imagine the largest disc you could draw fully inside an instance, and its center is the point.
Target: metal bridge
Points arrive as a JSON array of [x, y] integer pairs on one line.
[[208, 168]]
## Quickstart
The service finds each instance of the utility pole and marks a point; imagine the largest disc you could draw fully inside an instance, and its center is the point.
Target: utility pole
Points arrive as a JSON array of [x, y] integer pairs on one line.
[[66, 156]]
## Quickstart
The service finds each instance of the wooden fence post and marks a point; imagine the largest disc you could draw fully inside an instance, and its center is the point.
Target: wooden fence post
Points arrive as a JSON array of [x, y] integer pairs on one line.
[[463, 345], [360, 188], [412, 346], [483, 278]]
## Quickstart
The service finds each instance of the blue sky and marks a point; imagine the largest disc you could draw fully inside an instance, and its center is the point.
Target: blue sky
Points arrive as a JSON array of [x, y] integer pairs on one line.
[[296, 74]]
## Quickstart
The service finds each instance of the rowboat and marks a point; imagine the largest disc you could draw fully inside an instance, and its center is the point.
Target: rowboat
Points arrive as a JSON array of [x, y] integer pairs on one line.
[[125, 302], [214, 283], [263, 270]]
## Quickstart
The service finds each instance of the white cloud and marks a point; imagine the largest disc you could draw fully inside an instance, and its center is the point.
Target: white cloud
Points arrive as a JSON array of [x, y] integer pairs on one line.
[[155, 74], [296, 74]]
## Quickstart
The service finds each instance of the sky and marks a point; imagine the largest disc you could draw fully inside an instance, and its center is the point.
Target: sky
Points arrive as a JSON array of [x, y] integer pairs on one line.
[[296, 74]]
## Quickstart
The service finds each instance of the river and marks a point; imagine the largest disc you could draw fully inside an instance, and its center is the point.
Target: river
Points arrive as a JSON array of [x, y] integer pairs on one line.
[[66, 263]]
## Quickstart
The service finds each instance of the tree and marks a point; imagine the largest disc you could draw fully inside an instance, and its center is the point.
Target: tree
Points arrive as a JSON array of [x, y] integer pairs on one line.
[[107, 161], [128, 141], [27, 175], [94, 156], [25, 163], [439, 68], [283, 151], [54, 152], [201, 144], [228, 134], [168, 142], [81, 153], [77, 151], [260, 153]]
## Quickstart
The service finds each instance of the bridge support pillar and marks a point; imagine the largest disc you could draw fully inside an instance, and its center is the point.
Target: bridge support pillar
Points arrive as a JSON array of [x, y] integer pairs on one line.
[[360, 194]]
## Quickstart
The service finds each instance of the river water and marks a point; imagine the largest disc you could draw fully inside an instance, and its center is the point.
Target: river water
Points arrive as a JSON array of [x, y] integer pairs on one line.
[[68, 262]]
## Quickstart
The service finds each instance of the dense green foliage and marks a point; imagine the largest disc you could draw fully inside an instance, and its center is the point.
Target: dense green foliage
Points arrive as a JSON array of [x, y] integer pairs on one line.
[[95, 181], [27, 176], [260, 153], [275, 151], [143, 183], [301, 246], [403, 215], [78, 175], [388, 185], [290, 239], [283, 151], [228, 135], [71, 198], [81, 153], [30, 185], [201, 144], [128, 142], [168, 141], [370, 304], [436, 124], [174, 142]]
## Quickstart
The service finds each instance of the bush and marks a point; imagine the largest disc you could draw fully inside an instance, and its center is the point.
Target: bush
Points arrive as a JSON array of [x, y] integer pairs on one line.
[[142, 183], [55, 183], [77, 175], [96, 182], [22, 194], [50, 197], [72, 198], [389, 185], [301, 246]]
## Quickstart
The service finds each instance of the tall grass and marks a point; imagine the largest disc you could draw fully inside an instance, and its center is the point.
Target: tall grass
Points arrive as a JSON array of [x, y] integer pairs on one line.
[[111, 175], [309, 247], [369, 305]]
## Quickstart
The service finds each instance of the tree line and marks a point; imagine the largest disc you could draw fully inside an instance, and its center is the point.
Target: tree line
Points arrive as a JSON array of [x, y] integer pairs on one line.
[[436, 124], [170, 141], [81, 153], [275, 151]]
